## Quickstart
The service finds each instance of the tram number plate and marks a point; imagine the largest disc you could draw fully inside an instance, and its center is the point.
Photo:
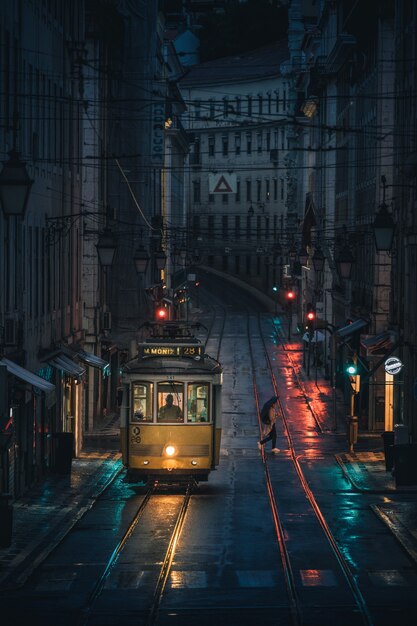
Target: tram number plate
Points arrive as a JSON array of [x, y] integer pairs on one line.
[[171, 350]]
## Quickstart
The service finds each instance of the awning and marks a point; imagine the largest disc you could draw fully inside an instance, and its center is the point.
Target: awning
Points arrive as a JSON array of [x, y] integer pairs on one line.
[[62, 362], [92, 359], [345, 331], [27, 376], [377, 345]]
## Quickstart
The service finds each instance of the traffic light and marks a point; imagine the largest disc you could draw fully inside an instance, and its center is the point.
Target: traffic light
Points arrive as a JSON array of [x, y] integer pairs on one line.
[[161, 313], [290, 295], [310, 318], [351, 368], [275, 289]]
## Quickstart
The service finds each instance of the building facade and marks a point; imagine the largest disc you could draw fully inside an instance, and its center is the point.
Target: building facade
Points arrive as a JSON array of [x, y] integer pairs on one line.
[[237, 187]]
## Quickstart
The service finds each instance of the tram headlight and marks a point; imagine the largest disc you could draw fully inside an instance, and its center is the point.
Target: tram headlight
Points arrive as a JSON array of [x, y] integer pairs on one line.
[[193, 462], [170, 450]]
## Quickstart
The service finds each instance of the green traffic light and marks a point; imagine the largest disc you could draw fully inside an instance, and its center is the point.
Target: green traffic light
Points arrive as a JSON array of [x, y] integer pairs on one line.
[[351, 369], [274, 288]]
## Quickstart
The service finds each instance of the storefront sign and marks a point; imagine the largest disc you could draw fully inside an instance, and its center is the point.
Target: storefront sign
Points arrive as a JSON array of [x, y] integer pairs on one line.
[[393, 365]]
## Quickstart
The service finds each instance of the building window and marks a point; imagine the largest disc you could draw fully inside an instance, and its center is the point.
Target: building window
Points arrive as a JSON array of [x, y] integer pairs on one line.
[[248, 190], [267, 190], [212, 109], [210, 227], [225, 107], [267, 233], [238, 106], [197, 109], [259, 142], [277, 101], [225, 226], [282, 139], [211, 145], [237, 196], [269, 104], [237, 143], [237, 227], [260, 104], [225, 198], [258, 227], [282, 188], [284, 100], [249, 143], [258, 190], [196, 191], [249, 105], [275, 184], [276, 139], [196, 225], [225, 145], [211, 198], [248, 227], [268, 141]]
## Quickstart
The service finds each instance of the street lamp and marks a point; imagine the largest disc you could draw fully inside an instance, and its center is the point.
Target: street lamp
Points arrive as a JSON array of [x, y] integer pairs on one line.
[[160, 259], [141, 261], [303, 255], [384, 229], [15, 186], [344, 261], [318, 260], [106, 248]]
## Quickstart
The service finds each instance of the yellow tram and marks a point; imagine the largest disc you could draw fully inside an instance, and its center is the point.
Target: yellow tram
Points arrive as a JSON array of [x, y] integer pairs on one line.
[[171, 409]]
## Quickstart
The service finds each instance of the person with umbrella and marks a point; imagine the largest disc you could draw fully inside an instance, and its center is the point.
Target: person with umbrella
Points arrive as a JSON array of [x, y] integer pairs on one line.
[[268, 418]]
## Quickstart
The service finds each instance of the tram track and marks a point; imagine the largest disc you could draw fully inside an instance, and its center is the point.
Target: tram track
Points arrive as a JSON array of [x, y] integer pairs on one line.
[[150, 608], [294, 600]]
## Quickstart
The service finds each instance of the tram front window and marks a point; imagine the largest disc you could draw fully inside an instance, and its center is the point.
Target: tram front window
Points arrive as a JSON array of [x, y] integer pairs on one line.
[[197, 402], [142, 402], [170, 402]]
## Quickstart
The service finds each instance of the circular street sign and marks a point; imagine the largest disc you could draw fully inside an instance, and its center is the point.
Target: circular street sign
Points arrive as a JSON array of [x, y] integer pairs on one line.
[[393, 365]]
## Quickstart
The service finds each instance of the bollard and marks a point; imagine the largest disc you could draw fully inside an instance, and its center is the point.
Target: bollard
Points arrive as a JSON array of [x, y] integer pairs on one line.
[[352, 431], [6, 520]]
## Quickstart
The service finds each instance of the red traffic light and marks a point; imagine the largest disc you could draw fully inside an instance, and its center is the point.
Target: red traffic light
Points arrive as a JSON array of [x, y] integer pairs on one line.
[[161, 314], [290, 295], [311, 315]]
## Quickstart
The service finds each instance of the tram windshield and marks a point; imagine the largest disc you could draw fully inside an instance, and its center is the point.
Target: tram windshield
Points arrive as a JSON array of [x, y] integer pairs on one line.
[[197, 402], [170, 402], [142, 402]]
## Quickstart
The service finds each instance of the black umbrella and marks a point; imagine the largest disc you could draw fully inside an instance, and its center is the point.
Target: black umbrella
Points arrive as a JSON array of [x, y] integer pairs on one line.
[[265, 409]]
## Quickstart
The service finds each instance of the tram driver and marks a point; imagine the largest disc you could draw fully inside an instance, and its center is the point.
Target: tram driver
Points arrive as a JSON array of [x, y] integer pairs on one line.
[[170, 412]]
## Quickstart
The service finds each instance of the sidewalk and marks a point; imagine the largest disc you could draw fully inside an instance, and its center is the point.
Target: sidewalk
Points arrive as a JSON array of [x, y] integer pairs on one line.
[[364, 468], [43, 516]]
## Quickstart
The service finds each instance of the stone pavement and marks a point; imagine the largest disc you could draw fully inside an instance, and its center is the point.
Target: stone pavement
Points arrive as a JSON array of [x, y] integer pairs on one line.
[[364, 468], [43, 516], [46, 513]]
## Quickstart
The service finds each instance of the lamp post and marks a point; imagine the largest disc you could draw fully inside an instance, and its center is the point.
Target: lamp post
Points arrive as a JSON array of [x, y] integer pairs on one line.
[[344, 261], [106, 248], [141, 261], [384, 229]]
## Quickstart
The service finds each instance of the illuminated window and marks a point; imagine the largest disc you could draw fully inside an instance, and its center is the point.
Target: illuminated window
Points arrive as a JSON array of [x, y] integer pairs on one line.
[[198, 402], [170, 398], [142, 402]]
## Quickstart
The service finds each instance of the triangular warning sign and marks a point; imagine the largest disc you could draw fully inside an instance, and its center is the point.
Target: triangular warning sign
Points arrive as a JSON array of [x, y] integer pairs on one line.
[[222, 186]]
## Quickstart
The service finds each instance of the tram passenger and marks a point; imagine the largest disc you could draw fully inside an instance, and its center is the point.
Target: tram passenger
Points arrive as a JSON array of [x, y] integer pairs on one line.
[[268, 419], [170, 412]]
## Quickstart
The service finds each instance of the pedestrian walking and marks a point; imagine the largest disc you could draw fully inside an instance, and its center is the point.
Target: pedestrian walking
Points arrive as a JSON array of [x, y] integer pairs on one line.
[[268, 419]]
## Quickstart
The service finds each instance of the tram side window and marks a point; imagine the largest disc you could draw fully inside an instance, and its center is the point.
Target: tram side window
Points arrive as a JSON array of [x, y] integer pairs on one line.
[[142, 402], [170, 402], [198, 402]]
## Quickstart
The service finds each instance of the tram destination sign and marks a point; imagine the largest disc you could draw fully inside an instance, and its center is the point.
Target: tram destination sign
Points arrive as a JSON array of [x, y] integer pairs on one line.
[[171, 350]]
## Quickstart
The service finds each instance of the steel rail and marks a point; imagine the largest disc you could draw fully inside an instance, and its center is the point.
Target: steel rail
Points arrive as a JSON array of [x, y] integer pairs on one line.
[[86, 609], [169, 557], [349, 576], [294, 602]]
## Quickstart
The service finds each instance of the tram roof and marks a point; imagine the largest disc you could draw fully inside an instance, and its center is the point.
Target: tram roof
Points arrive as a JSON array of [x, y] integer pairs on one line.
[[203, 365]]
